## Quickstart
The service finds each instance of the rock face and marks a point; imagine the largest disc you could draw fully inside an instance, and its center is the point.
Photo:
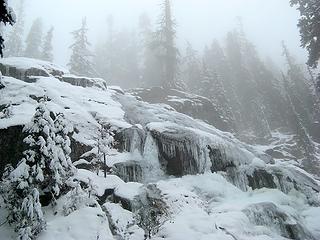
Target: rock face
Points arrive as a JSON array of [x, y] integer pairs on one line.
[[29, 70], [178, 154], [83, 81], [23, 74], [130, 139], [11, 146], [129, 171], [78, 149], [190, 104]]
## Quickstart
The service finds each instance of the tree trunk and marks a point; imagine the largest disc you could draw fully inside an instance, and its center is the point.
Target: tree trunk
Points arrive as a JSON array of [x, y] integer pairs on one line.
[[104, 165]]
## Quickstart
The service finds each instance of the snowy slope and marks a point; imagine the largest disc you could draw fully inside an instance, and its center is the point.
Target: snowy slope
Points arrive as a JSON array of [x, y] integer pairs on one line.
[[208, 184]]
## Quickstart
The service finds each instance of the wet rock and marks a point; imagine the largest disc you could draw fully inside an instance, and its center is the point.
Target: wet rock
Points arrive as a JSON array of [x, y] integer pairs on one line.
[[260, 178], [129, 171], [78, 149], [219, 161], [178, 154], [130, 139]]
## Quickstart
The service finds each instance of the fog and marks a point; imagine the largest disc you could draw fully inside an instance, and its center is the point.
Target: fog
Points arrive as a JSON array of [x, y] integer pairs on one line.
[[266, 23]]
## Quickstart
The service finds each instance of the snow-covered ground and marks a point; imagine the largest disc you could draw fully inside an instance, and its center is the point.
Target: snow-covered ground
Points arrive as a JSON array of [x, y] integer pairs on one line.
[[201, 206]]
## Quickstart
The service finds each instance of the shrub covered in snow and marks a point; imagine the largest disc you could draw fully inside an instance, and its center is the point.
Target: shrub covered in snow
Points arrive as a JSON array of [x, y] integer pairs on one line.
[[78, 198], [103, 145]]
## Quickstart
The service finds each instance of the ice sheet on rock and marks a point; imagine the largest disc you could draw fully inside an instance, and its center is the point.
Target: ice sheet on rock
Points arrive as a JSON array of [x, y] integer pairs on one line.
[[209, 207], [156, 118], [150, 162]]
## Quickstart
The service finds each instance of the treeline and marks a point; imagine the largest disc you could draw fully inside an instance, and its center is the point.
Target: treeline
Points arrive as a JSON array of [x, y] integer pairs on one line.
[[37, 44]]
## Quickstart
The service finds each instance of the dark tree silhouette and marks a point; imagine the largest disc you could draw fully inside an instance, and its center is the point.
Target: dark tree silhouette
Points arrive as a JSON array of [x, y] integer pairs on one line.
[[309, 24], [6, 17]]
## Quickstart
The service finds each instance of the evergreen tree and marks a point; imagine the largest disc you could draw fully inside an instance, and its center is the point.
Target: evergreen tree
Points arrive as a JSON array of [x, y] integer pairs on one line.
[[191, 69], [309, 25], [47, 48], [44, 169], [117, 57], [80, 60], [14, 44], [103, 145], [166, 48], [301, 95], [6, 17], [104, 54], [34, 40], [304, 142], [244, 84], [61, 165], [75, 199], [212, 88], [216, 59], [125, 69], [150, 65]]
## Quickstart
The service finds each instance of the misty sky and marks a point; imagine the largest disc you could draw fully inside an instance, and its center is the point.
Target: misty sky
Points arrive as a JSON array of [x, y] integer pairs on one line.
[[266, 23]]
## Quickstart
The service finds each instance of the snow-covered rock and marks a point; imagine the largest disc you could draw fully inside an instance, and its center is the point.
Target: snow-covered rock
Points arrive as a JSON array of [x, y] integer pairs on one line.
[[29, 70], [187, 103]]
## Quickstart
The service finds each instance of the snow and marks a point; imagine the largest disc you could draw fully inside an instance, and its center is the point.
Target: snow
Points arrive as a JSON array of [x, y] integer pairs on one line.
[[100, 184], [28, 63], [208, 207], [124, 221], [128, 190], [85, 224], [83, 107], [312, 219]]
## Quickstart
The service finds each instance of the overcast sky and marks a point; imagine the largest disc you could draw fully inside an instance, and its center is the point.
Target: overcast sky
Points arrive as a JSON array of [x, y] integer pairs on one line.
[[266, 22]]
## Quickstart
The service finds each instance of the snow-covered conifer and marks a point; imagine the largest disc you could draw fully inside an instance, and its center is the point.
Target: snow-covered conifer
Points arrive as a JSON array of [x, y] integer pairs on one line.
[[44, 169], [104, 143], [80, 60], [47, 48], [6, 16], [61, 165], [78, 198], [14, 42], [34, 40]]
